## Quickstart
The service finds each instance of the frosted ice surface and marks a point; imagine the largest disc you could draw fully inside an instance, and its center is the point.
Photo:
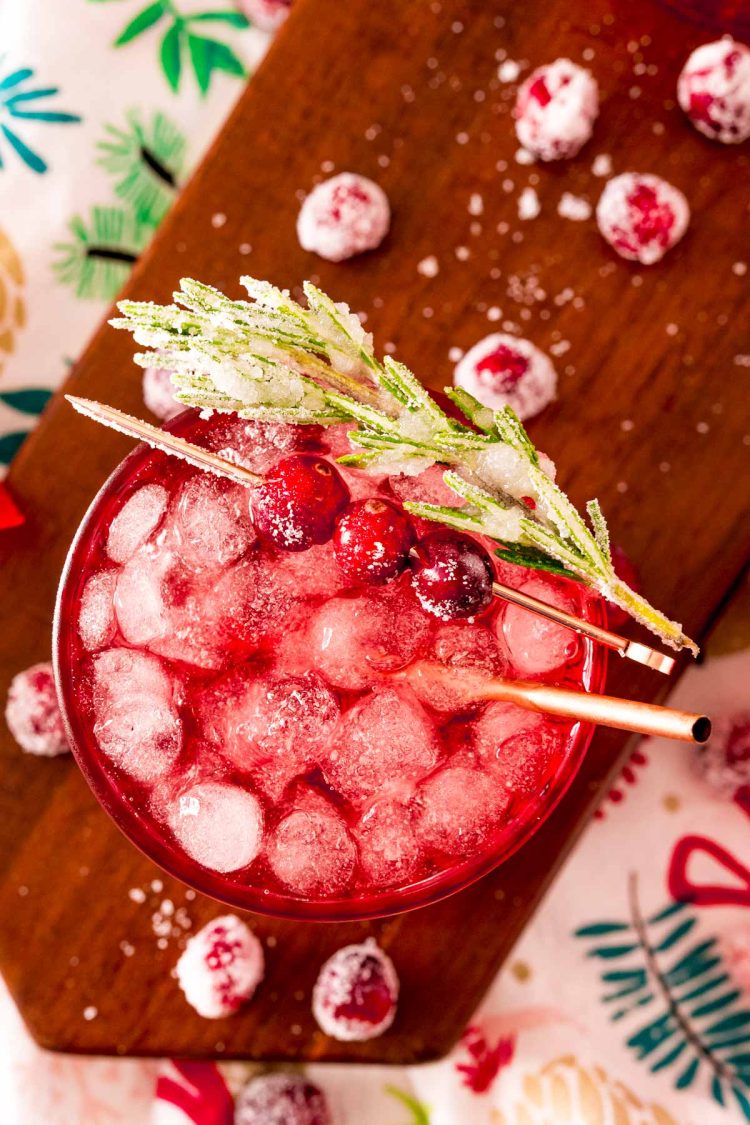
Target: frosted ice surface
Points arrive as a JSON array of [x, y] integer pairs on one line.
[[136, 520]]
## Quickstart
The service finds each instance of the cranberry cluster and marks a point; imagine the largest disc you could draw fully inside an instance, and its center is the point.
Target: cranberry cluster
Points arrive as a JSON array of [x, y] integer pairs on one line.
[[304, 500]]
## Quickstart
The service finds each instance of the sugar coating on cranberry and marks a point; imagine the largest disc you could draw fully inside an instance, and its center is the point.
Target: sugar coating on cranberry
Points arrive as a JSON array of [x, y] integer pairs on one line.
[[642, 216], [158, 393], [714, 90], [343, 216], [452, 575], [502, 370], [356, 993], [297, 504], [724, 761], [221, 967], [32, 712], [268, 15], [372, 541], [282, 1099], [555, 110]]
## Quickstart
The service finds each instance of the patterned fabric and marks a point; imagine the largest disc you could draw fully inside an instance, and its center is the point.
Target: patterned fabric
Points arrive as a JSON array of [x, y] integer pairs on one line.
[[622, 1004]]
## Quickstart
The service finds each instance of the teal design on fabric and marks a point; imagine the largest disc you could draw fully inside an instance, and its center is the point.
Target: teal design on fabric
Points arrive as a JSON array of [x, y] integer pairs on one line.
[[672, 992], [19, 103]]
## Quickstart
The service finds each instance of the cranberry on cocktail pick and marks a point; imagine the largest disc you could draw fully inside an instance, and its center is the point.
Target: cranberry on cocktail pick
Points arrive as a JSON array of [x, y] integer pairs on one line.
[[282, 1099], [356, 992], [298, 502], [452, 575], [372, 541]]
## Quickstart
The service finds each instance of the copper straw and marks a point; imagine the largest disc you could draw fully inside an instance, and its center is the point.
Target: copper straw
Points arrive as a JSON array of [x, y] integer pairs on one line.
[[203, 459], [606, 710]]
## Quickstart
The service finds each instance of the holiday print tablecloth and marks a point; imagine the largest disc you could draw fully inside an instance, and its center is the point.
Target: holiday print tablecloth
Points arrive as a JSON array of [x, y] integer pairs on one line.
[[621, 1005]]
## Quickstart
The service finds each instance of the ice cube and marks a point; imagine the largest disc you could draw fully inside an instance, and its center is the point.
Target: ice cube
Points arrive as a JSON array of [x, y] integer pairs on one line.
[[139, 602], [246, 605], [310, 574], [270, 721], [456, 647], [426, 488], [139, 516], [96, 616], [259, 445], [384, 744], [211, 523], [312, 853], [498, 723], [142, 734], [536, 645], [219, 825], [120, 672], [524, 763], [460, 809], [354, 641], [389, 851]]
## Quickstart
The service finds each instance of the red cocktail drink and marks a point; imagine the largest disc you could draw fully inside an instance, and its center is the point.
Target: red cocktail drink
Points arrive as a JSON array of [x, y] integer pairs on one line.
[[255, 719]]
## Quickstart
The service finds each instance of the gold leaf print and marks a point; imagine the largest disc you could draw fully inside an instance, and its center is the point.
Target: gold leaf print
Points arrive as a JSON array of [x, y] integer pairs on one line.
[[12, 307], [563, 1092]]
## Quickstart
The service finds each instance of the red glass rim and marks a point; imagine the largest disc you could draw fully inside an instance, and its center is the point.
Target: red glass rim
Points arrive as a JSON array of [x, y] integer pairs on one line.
[[138, 829]]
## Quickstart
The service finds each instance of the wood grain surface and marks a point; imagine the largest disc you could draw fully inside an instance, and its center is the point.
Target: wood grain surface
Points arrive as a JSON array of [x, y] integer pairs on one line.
[[652, 417]]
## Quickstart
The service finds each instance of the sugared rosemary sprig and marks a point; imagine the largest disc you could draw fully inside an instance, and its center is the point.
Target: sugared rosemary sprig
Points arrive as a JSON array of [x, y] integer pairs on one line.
[[271, 359]]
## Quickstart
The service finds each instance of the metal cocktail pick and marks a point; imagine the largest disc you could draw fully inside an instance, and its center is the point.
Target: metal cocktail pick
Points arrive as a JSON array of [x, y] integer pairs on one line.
[[633, 650]]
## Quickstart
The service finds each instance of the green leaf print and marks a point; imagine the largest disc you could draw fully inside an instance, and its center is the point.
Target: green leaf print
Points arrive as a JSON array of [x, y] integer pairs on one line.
[[420, 1114], [170, 54], [147, 157], [142, 22], [677, 1003]]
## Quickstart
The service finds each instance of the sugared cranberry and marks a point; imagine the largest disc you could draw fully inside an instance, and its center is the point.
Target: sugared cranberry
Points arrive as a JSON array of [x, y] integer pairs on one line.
[[724, 761], [297, 504], [33, 712], [642, 216], [372, 541], [221, 967], [556, 109], [282, 1099], [503, 370], [452, 575], [343, 216], [268, 15], [356, 992], [714, 90], [625, 570]]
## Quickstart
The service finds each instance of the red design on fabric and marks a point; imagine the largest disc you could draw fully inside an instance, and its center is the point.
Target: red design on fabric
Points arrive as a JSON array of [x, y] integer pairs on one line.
[[485, 1062], [205, 1100], [682, 887]]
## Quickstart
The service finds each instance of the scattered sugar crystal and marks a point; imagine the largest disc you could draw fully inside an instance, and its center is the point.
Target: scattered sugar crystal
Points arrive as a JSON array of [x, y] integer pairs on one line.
[[96, 617], [460, 809], [219, 825], [455, 353], [462, 138], [218, 220], [508, 71], [221, 967], [574, 207], [523, 156], [529, 206], [312, 853], [476, 204], [602, 165], [137, 894], [90, 1013], [429, 267], [32, 712], [389, 851], [739, 269], [384, 744], [141, 734], [535, 645], [343, 216], [139, 516], [462, 253]]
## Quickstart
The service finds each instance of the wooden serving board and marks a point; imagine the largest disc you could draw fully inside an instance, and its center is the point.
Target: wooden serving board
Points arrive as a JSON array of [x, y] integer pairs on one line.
[[651, 418]]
